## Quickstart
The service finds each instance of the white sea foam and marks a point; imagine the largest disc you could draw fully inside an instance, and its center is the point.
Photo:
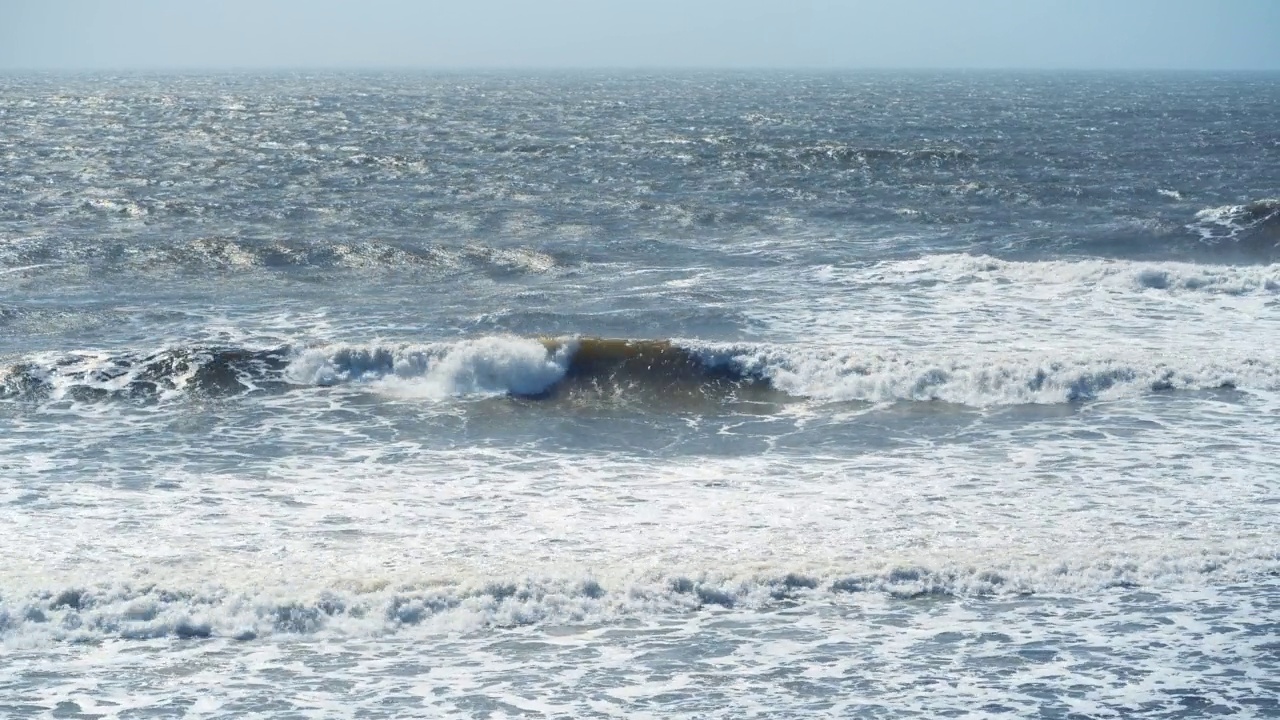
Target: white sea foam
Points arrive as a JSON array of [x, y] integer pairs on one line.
[[981, 331], [98, 371], [482, 366], [993, 378], [1083, 275], [144, 607], [330, 533]]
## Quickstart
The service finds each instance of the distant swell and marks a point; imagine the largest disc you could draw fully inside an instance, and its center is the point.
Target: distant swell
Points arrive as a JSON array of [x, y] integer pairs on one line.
[[237, 254], [649, 371], [1085, 275], [885, 157]]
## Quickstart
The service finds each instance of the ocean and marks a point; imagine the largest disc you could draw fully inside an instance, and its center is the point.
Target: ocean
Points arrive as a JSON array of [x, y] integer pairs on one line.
[[627, 394]]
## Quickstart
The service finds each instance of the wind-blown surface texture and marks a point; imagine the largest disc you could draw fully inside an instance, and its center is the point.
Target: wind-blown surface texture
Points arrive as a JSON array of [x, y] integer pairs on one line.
[[594, 395]]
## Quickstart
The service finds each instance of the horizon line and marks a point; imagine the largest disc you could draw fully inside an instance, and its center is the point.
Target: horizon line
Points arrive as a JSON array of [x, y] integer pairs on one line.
[[160, 69]]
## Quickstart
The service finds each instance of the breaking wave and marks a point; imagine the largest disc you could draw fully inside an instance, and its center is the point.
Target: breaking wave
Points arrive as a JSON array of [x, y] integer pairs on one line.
[[1247, 233], [1230, 221], [164, 374], [143, 609], [1251, 229], [650, 370], [538, 368]]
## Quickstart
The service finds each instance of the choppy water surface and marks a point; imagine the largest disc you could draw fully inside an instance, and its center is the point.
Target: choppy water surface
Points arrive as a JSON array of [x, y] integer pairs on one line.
[[687, 395]]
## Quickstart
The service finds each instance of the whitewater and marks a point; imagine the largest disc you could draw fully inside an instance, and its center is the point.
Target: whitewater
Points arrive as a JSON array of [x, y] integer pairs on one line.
[[639, 395]]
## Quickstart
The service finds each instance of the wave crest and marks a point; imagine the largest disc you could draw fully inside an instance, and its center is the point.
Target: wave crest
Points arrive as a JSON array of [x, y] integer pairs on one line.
[[659, 373], [484, 366], [1253, 226], [90, 376]]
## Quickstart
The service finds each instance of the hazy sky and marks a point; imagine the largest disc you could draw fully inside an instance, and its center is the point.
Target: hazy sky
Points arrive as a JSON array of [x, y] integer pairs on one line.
[[1216, 34]]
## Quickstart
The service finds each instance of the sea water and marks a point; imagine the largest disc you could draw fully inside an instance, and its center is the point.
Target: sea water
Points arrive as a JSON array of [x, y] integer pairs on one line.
[[639, 395]]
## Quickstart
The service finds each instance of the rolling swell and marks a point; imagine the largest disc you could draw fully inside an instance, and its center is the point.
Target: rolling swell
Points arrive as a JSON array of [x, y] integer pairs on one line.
[[1246, 233], [656, 373], [235, 254], [1257, 221]]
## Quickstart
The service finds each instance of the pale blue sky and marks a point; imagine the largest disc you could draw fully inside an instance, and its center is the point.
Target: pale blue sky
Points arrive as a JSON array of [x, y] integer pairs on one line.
[[1175, 34]]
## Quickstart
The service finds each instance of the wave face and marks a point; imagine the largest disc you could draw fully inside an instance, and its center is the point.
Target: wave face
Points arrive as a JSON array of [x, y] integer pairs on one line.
[[1250, 230], [655, 371], [520, 367]]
